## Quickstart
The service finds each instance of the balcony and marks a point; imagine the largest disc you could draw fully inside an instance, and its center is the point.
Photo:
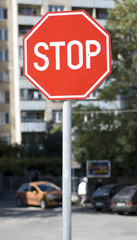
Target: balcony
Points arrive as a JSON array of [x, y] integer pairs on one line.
[[93, 3], [102, 22], [20, 40], [104, 4], [24, 83], [33, 127], [30, 2], [28, 20], [32, 105]]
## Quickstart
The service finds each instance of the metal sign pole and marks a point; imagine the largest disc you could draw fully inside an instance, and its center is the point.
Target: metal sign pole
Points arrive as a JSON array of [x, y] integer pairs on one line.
[[67, 170]]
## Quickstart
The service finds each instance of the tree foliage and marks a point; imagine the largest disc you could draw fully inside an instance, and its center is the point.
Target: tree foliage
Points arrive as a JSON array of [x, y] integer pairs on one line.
[[122, 25], [46, 157], [110, 135]]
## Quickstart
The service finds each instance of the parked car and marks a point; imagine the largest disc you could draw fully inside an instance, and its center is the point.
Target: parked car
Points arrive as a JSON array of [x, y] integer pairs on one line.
[[101, 198], [125, 201], [43, 194]]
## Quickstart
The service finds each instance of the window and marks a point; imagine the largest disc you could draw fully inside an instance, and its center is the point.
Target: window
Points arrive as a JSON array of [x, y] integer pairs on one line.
[[5, 137], [28, 116], [48, 187], [32, 189], [3, 13], [23, 29], [24, 94], [102, 14], [27, 11], [33, 94], [3, 55], [4, 76], [53, 8], [4, 97], [21, 52], [7, 97], [4, 118], [6, 55], [3, 34], [56, 116], [94, 94], [21, 72], [25, 188]]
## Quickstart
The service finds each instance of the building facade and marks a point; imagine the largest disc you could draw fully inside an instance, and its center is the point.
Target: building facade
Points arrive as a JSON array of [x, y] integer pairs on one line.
[[24, 111], [96, 8]]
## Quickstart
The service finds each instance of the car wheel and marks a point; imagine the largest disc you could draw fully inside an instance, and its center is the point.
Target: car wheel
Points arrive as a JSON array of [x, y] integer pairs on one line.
[[98, 209], [19, 202], [43, 204]]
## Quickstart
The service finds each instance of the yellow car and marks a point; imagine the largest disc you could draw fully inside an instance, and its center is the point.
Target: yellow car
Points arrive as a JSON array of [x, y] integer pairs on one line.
[[41, 193]]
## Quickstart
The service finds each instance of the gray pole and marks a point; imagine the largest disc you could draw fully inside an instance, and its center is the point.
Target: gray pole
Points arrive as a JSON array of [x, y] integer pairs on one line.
[[67, 170]]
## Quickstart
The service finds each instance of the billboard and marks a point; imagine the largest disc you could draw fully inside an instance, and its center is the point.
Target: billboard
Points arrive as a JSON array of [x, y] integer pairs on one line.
[[98, 168]]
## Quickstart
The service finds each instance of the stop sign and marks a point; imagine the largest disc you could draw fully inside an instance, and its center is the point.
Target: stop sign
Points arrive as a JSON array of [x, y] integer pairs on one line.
[[67, 55]]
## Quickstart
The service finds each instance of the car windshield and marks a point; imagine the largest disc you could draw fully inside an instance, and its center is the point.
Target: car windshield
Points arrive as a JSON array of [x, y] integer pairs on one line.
[[127, 192], [102, 191], [48, 187]]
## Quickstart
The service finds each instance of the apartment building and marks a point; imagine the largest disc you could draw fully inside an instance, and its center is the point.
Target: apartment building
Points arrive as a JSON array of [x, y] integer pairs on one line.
[[98, 9], [23, 109], [8, 109]]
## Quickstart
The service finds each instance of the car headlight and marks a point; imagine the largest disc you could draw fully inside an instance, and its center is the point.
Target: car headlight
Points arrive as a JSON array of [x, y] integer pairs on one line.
[[50, 196]]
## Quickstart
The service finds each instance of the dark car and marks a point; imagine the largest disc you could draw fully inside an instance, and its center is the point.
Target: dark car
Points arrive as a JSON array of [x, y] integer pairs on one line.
[[43, 194], [101, 198], [125, 201]]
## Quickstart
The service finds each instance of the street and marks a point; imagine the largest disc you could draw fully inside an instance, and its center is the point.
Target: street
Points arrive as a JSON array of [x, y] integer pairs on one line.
[[29, 223]]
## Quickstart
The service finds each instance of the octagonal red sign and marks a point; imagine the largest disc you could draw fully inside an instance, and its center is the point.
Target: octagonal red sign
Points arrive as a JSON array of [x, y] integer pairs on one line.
[[67, 55]]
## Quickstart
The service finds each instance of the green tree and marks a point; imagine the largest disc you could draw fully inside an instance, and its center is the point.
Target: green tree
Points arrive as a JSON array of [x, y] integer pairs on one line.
[[122, 24], [46, 157], [95, 135], [114, 136]]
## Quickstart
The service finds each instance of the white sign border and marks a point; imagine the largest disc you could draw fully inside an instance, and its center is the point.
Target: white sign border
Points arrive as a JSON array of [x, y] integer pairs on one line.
[[96, 83], [98, 175]]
